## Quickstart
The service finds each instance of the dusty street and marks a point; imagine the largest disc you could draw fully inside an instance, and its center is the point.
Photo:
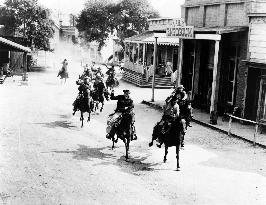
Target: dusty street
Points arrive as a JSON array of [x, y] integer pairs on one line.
[[47, 158]]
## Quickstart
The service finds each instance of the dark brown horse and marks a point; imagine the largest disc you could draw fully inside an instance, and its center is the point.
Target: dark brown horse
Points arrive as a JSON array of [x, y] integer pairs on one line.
[[169, 135], [123, 129], [83, 104]]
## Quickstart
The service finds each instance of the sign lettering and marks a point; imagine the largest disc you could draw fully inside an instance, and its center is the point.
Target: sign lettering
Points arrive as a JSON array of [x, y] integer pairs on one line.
[[180, 31]]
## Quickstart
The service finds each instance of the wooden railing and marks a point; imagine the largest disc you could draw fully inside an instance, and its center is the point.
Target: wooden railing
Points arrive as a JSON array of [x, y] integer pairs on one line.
[[244, 120]]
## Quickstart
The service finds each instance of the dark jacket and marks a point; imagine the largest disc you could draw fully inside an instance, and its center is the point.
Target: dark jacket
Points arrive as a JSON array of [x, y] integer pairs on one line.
[[122, 103], [84, 89]]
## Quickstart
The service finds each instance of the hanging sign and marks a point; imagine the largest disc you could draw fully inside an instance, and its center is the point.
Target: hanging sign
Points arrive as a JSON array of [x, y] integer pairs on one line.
[[179, 29]]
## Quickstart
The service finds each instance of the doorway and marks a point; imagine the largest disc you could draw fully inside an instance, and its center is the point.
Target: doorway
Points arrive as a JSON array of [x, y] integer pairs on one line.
[[253, 84]]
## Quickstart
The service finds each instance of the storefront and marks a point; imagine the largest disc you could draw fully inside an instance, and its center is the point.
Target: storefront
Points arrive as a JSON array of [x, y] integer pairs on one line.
[[211, 68], [7, 50], [138, 57]]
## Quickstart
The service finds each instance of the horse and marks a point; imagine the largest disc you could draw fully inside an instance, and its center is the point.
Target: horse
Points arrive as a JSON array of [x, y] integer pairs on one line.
[[98, 95], [123, 129], [83, 104], [169, 135], [111, 82], [63, 74]]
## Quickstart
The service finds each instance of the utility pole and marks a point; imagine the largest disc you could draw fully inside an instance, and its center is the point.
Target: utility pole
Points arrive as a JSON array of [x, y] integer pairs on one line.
[[154, 67]]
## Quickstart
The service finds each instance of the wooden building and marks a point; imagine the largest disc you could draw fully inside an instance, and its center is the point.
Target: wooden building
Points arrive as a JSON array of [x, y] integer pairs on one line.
[[138, 56], [223, 65]]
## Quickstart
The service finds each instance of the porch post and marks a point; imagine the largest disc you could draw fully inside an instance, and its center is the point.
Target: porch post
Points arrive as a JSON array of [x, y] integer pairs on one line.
[[166, 54], [144, 54], [180, 62], [138, 53], [215, 86], [154, 67], [125, 52], [133, 52], [24, 77]]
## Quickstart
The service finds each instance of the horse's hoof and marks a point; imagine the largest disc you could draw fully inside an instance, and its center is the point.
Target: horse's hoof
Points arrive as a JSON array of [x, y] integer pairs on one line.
[[150, 144], [164, 160], [159, 146], [178, 169]]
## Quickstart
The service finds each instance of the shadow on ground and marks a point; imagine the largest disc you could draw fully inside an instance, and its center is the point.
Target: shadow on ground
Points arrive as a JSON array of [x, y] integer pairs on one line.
[[133, 165], [56, 124]]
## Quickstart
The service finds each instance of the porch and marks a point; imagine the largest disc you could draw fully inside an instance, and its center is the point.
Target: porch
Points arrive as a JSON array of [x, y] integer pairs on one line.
[[138, 57]]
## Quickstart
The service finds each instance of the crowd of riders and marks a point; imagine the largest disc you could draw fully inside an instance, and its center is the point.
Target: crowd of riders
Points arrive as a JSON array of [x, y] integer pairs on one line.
[[177, 111]]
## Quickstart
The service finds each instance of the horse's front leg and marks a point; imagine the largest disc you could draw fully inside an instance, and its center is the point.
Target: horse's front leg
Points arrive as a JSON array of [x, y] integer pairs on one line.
[[102, 107], [165, 154], [126, 141], [89, 117], [177, 158], [81, 118]]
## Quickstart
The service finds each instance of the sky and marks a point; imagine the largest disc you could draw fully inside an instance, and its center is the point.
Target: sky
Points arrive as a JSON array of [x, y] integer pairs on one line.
[[166, 8]]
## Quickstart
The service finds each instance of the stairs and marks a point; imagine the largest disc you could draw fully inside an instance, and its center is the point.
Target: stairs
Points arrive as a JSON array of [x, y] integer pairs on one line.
[[160, 82], [139, 80]]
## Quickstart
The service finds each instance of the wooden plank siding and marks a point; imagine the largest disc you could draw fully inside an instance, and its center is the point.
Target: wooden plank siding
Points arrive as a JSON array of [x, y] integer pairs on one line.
[[257, 41]]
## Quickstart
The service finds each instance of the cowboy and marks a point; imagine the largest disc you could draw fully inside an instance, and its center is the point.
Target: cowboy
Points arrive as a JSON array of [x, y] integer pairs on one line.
[[84, 93], [99, 72], [111, 71], [99, 87], [124, 105], [93, 68], [88, 72], [170, 114]]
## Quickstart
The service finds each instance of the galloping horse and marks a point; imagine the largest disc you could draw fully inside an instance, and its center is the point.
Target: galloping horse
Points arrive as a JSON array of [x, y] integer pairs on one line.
[[63, 73], [98, 95], [169, 135], [111, 82], [83, 104], [123, 129]]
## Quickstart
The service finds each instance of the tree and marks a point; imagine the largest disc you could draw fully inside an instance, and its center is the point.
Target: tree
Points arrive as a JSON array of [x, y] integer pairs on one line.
[[29, 19], [99, 19]]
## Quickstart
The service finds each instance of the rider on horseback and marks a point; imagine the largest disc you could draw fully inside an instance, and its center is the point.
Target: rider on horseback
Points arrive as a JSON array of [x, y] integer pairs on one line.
[[170, 113], [84, 93], [184, 103], [124, 105], [99, 88], [88, 72]]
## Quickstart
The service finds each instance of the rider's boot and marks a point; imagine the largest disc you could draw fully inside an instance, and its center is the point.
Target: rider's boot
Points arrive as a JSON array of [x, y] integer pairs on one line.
[[134, 135]]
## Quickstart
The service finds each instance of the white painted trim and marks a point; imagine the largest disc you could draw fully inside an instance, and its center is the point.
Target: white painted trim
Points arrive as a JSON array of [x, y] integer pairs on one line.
[[215, 37]]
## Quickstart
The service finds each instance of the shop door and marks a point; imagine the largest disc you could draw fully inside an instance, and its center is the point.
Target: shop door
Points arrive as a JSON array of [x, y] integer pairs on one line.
[[261, 112], [205, 74], [175, 59], [252, 93], [187, 71], [231, 75]]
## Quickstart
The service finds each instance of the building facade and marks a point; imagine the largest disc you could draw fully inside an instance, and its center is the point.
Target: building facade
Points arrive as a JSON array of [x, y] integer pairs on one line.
[[223, 64], [139, 56]]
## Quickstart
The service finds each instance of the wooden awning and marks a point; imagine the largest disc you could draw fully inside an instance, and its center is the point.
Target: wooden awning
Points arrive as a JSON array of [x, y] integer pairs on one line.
[[220, 30], [149, 38], [12, 46]]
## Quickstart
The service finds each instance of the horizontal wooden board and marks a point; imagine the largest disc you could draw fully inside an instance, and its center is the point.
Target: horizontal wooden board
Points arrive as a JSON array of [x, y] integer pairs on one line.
[[260, 44], [258, 50], [255, 37]]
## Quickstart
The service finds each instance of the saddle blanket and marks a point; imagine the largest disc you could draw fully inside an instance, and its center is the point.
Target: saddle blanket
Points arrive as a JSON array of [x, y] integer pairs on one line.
[[112, 119]]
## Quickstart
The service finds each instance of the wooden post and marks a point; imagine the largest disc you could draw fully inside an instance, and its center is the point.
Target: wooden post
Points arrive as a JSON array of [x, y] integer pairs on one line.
[[180, 62], [138, 53], [154, 67], [193, 69], [214, 95], [144, 54], [125, 52], [230, 126], [255, 134]]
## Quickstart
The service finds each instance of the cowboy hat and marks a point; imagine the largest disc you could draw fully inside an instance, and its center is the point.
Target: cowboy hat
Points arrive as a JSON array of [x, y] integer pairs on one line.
[[126, 91]]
